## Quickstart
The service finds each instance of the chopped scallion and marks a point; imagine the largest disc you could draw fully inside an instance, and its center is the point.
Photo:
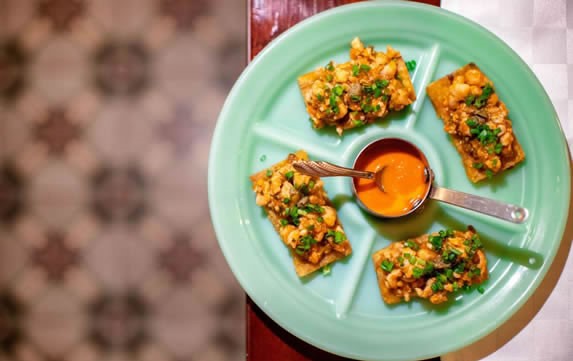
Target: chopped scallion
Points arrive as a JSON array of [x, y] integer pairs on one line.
[[387, 265]]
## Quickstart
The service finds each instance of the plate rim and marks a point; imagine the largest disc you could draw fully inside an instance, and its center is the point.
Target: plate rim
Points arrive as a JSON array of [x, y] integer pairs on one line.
[[540, 273]]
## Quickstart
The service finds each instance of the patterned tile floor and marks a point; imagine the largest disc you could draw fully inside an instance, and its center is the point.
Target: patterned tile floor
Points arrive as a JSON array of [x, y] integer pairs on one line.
[[106, 113]]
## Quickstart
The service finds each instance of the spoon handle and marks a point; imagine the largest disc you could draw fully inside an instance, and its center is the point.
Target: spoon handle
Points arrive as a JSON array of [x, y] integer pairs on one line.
[[505, 211], [325, 169]]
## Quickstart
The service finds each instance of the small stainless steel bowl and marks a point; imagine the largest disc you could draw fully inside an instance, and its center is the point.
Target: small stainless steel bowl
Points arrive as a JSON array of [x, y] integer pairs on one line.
[[387, 143]]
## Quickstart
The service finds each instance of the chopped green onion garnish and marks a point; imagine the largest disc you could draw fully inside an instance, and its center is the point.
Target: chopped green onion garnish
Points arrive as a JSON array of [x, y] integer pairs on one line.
[[326, 270], [471, 122], [481, 289], [460, 268], [269, 172], [387, 265], [289, 175], [364, 67], [436, 242], [284, 222], [339, 237], [411, 65], [489, 173], [381, 83], [355, 69], [337, 90], [411, 244], [286, 200], [305, 243], [486, 92], [328, 77], [314, 208], [263, 158], [470, 100], [474, 272]]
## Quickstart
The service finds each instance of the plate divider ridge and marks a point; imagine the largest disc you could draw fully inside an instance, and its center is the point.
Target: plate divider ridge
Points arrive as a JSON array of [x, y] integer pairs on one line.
[[288, 138], [427, 74], [348, 291]]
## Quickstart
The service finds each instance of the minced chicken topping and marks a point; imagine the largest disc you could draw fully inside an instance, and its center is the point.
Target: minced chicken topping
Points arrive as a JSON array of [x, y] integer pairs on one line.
[[431, 266], [360, 91], [308, 224]]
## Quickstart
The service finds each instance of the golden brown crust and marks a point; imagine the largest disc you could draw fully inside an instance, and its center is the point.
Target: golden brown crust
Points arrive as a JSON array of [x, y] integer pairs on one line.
[[316, 224], [449, 96]]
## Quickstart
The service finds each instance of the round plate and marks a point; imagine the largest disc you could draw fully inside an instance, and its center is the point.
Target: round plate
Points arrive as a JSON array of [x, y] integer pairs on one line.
[[264, 119]]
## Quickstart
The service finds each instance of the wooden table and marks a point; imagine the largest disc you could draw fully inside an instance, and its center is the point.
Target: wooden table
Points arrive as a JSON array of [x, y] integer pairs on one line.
[[266, 341]]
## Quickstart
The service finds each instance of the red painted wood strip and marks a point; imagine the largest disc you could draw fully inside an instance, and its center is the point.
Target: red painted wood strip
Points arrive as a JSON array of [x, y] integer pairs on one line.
[[269, 18]]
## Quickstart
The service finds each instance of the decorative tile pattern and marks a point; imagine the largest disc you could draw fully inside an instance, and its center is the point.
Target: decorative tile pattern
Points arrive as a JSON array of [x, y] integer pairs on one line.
[[118, 321], [11, 186], [118, 194], [183, 12], [11, 313], [179, 130], [13, 61], [57, 131], [55, 257], [106, 248], [121, 68], [180, 259], [61, 13]]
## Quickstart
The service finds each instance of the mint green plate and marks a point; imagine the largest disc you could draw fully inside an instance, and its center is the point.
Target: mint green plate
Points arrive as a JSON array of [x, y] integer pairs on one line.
[[264, 119]]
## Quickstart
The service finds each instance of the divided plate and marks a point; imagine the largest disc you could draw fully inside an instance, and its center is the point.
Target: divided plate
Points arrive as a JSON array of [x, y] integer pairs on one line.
[[264, 119]]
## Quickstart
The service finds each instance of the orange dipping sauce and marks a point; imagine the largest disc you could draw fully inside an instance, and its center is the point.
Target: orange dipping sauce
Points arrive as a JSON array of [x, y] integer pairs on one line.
[[403, 177]]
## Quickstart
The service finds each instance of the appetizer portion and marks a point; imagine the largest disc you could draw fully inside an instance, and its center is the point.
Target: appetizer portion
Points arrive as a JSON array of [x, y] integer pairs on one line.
[[478, 122], [358, 92], [298, 207], [430, 266]]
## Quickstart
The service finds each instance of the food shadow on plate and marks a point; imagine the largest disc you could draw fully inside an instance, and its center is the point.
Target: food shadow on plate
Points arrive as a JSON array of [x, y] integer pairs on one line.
[[500, 180], [308, 278], [341, 199], [413, 225]]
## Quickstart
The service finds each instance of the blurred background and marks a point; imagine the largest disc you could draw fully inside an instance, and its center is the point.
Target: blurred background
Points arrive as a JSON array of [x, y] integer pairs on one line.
[[107, 109]]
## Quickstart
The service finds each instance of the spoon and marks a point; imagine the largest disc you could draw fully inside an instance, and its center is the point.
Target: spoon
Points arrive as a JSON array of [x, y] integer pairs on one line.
[[326, 169], [505, 211]]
